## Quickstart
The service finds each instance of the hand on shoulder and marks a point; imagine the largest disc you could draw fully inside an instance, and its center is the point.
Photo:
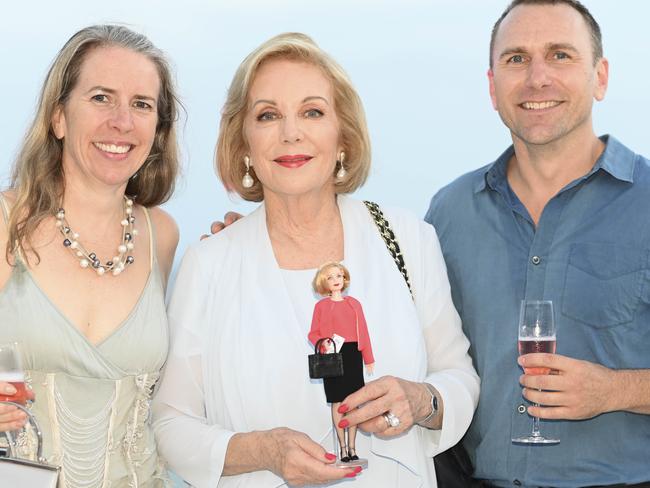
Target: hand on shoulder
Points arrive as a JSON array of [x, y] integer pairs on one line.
[[217, 226]]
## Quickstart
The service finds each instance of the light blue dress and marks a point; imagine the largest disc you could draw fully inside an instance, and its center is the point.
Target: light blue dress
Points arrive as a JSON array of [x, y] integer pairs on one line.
[[92, 401]]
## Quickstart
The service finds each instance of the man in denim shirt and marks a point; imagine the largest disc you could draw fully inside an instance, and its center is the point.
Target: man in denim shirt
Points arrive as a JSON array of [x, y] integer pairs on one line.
[[561, 215]]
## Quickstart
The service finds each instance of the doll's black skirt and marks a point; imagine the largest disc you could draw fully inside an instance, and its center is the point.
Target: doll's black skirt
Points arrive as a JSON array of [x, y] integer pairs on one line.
[[336, 389]]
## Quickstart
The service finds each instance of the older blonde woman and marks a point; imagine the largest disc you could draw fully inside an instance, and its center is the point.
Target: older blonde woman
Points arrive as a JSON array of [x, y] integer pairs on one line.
[[236, 406], [88, 254]]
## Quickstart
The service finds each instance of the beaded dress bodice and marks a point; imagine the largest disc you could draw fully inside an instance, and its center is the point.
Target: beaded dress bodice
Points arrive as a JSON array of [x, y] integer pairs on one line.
[[92, 401]]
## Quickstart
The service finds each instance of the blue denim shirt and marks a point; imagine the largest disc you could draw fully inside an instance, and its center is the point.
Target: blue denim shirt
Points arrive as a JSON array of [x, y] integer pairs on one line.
[[590, 255]]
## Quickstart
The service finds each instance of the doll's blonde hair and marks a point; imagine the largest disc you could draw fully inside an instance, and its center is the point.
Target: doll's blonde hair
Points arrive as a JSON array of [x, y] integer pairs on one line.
[[320, 280]]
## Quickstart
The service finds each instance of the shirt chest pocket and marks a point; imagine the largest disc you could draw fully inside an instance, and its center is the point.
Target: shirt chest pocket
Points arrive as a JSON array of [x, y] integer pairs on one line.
[[603, 283]]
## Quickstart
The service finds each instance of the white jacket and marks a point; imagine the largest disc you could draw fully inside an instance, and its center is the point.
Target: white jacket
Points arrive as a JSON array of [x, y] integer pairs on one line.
[[238, 360]]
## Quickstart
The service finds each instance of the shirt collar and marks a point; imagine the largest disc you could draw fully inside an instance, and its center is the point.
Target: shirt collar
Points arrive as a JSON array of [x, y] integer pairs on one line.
[[495, 174], [616, 159]]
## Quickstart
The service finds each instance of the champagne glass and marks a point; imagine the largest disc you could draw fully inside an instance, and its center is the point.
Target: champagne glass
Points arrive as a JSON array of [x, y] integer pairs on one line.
[[11, 371], [536, 334]]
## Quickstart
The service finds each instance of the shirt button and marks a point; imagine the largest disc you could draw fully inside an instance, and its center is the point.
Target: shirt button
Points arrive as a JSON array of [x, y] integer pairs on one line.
[[521, 408], [536, 260], [516, 483]]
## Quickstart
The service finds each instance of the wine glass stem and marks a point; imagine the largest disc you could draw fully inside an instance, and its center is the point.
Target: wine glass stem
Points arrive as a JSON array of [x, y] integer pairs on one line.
[[536, 424], [11, 441]]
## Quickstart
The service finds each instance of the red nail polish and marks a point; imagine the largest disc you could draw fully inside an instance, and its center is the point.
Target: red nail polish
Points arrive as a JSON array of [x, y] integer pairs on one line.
[[330, 456], [343, 408], [358, 469], [351, 475], [344, 423]]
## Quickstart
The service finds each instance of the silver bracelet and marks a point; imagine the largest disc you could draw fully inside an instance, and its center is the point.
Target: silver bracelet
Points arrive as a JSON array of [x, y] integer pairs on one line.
[[434, 404]]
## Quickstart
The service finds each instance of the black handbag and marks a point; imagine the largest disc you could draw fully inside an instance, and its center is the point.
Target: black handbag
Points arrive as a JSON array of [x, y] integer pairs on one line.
[[325, 365]]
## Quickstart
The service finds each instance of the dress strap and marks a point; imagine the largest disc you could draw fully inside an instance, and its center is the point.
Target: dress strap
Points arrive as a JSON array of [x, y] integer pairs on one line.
[[5, 208], [152, 238], [5, 214]]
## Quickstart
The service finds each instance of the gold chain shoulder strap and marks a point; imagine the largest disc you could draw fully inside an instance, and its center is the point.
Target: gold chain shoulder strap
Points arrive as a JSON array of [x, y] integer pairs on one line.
[[390, 240]]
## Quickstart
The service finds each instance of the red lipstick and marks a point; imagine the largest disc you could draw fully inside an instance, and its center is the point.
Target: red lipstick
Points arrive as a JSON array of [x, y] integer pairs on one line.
[[293, 160]]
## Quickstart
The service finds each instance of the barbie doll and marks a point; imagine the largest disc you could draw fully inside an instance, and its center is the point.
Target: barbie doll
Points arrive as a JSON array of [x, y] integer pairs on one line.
[[341, 318]]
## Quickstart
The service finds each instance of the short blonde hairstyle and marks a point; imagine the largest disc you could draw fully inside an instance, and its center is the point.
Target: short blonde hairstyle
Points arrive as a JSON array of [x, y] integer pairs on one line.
[[231, 144], [320, 280]]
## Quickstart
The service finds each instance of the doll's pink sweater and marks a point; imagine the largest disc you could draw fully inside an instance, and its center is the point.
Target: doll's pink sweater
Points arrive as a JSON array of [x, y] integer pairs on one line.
[[331, 317]]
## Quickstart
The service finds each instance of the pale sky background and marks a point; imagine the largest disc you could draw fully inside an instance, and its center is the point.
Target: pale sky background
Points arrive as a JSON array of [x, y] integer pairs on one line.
[[419, 66]]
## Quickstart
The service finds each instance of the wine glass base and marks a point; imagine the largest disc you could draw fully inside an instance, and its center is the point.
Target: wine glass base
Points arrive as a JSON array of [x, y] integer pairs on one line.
[[535, 439]]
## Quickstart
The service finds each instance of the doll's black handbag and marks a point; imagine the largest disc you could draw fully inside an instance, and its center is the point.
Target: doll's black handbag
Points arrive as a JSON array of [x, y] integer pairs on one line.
[[325, 365]]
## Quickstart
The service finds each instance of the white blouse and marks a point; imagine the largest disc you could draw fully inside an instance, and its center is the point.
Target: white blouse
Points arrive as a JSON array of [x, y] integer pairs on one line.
[[238, 360]]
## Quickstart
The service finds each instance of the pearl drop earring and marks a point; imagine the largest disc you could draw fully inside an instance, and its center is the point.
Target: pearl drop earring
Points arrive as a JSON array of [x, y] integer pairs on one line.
[[340, 174], [247, 180]]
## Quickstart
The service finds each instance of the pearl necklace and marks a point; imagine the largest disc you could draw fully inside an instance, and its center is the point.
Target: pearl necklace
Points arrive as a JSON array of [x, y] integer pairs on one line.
[[90, 259]]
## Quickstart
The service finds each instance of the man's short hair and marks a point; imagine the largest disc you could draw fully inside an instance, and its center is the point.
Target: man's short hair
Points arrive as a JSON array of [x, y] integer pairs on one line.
[[594, 28]]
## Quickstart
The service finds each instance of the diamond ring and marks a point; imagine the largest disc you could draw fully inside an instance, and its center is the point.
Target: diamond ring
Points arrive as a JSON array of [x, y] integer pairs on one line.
[[391, 419]]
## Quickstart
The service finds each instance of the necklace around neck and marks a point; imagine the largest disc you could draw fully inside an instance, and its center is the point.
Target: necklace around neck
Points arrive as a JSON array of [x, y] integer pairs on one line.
[[89, 259]]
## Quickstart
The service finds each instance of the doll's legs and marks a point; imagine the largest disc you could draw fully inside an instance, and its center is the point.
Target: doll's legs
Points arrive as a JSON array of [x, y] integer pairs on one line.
[[352, 436], [340, 433]]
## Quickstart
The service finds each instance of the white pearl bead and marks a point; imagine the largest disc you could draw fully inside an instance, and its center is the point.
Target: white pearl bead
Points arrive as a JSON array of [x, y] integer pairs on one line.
[[100, 271], [121, 248], [74, 245], [75, 235], [59, 223], [129, 202], [247, 181], [124, 223], [135, 232], [129, 210], [117, 271], [116, 259], [129, 246], [84, 263], [79, 254], [60, 215]]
